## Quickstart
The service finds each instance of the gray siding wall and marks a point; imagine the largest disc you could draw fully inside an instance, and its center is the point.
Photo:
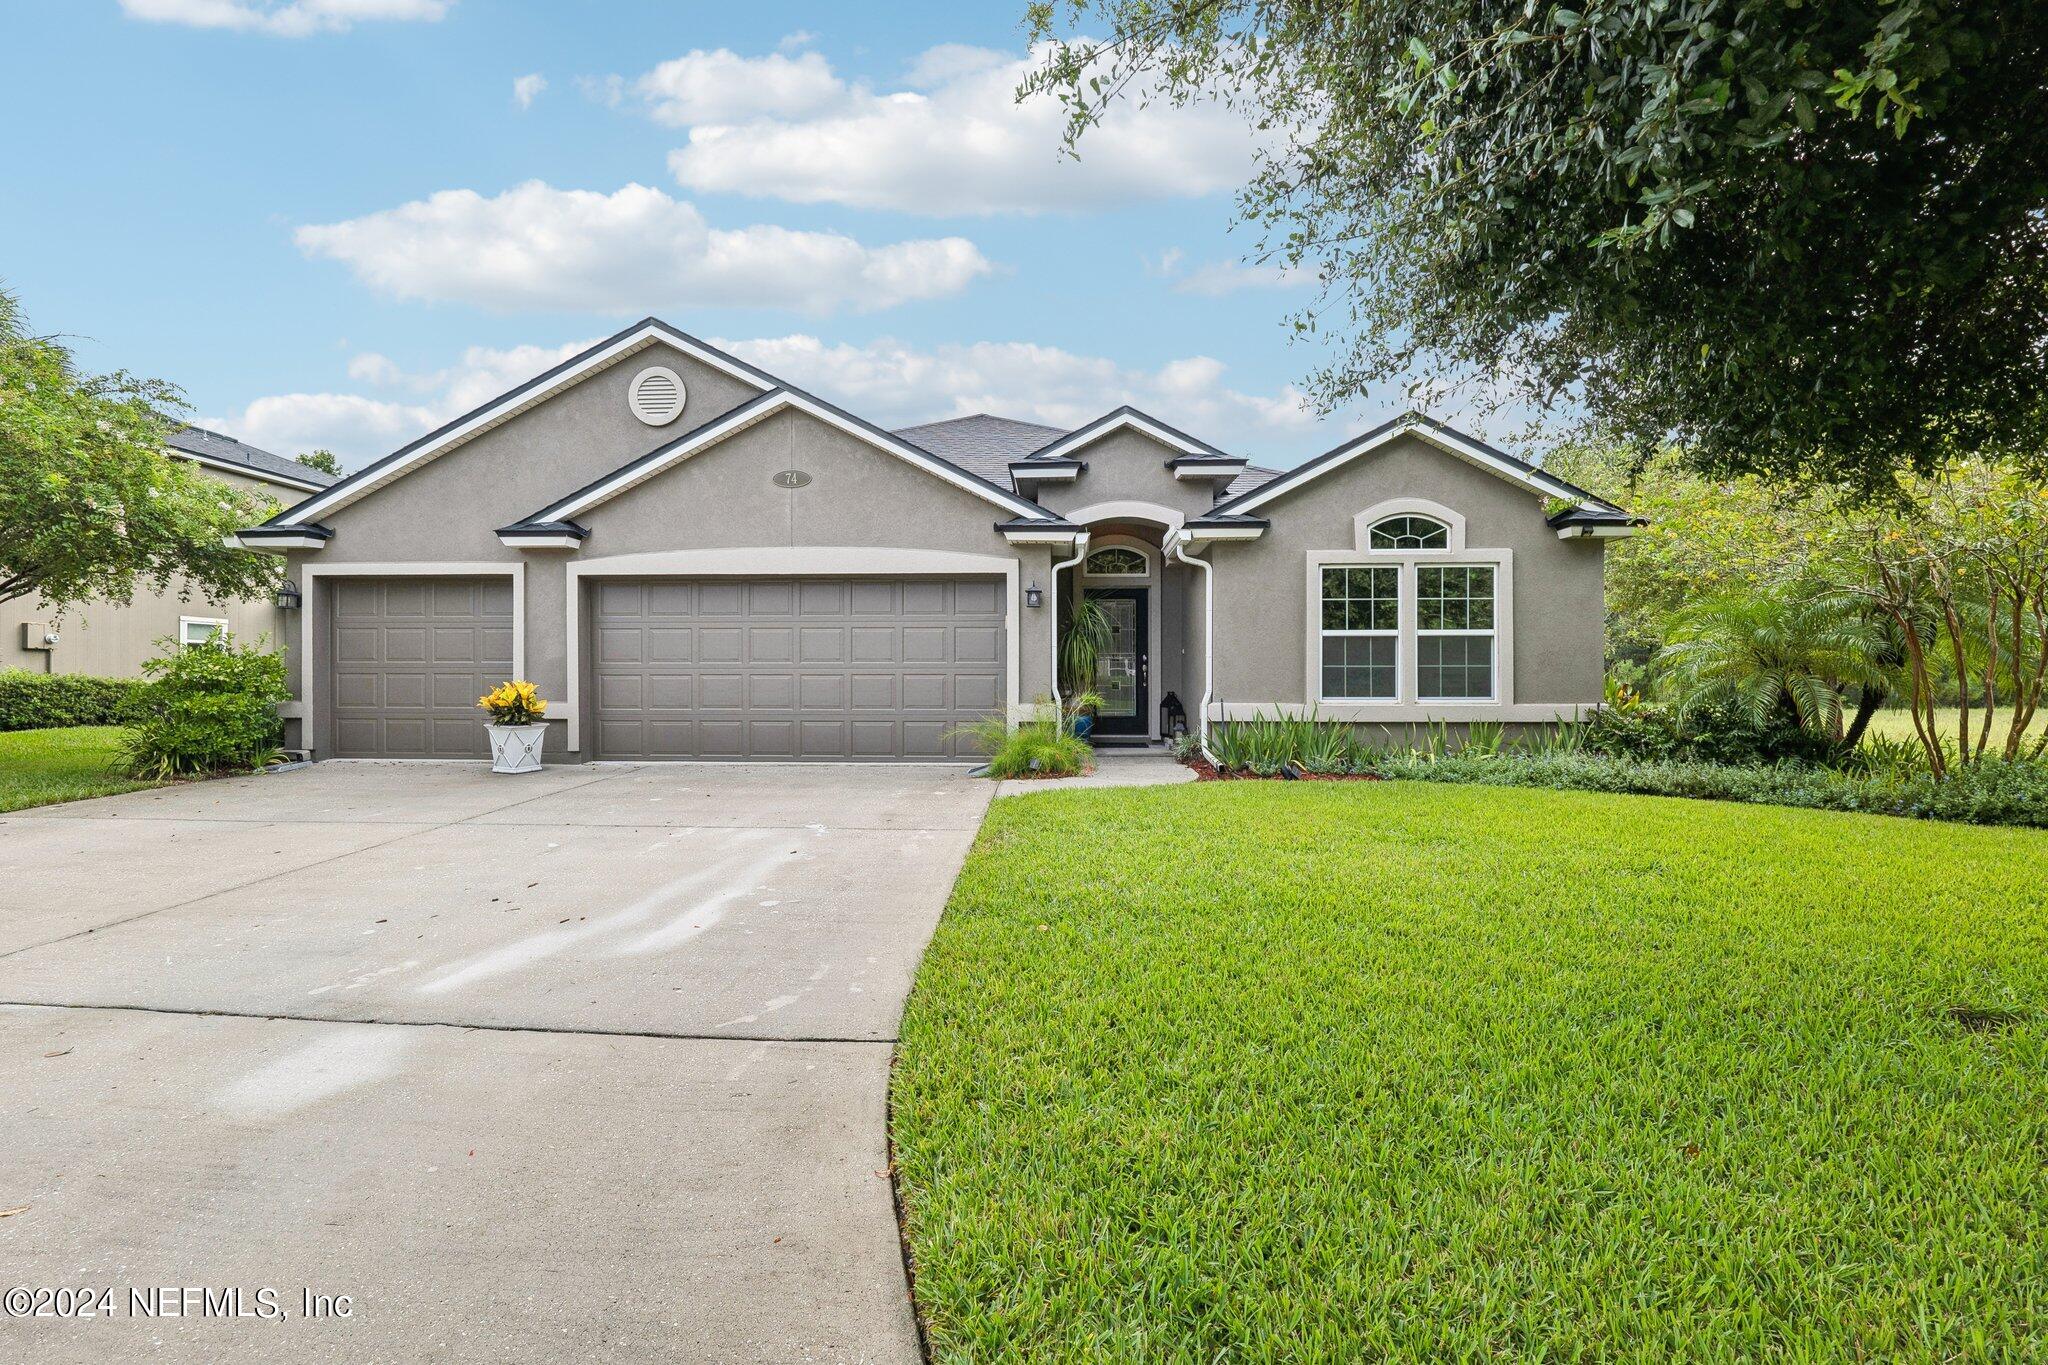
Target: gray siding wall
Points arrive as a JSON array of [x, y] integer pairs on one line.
[[1261, 615], [447, 512]]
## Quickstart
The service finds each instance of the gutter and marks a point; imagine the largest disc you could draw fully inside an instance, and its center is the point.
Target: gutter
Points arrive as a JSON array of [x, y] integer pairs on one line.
[[1176, 546], [1080, 553]]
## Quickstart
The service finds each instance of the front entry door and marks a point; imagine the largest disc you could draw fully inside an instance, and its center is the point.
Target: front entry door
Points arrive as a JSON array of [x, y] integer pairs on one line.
[[1123, 672]]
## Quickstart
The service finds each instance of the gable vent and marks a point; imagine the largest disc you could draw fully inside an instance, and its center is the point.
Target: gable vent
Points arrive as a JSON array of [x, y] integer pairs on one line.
[[656, 396]]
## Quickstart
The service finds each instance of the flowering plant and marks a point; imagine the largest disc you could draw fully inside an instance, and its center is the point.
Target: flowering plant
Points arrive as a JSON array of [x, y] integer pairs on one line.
[[513, 703]]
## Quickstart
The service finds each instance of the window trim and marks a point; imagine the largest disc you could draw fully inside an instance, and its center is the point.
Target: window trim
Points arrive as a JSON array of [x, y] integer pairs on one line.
[[1491, 634], [1408, 705], [1144, 574], [1322, 633], [218, 623], [1441, 524]]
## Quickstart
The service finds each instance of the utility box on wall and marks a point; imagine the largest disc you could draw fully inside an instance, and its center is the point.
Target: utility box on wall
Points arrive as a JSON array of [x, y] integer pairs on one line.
[[36, 635]]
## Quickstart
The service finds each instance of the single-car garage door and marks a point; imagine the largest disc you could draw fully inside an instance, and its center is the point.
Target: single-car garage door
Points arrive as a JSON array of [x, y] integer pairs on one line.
[[411, 656], [823, 669]]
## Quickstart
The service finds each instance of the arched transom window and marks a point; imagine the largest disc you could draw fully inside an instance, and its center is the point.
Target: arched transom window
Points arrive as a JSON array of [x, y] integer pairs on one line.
[[1116, 561], [1410, 533]]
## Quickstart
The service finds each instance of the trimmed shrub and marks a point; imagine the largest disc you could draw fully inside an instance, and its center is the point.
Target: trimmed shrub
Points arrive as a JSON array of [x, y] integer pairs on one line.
[[51, 701], [207, 708], [1043, 747]]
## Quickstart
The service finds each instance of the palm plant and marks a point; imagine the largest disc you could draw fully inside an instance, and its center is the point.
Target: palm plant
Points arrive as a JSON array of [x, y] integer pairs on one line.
[[1776, 654], [1088, 635]]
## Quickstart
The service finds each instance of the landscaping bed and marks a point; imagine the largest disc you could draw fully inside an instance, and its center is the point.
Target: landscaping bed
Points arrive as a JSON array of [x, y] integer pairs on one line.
[[1423, 1071]]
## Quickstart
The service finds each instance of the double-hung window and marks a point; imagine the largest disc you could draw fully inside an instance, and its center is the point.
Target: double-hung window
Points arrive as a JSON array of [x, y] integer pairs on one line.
[[1454, 632], [1361, 632]]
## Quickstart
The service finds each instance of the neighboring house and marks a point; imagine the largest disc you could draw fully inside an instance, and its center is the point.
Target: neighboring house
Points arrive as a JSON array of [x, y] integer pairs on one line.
[[111, 640], [694, 559]]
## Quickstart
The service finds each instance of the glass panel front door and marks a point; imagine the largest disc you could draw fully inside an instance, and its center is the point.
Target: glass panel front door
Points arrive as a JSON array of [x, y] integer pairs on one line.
[[1121, 670]]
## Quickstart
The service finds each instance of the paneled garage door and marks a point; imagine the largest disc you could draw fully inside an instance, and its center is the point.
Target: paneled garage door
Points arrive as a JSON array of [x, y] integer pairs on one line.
[[411, 656], [838, 668]]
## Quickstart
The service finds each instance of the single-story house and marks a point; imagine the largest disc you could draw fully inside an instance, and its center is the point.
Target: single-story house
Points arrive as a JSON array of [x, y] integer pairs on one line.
[[113, 639], [697, 560]]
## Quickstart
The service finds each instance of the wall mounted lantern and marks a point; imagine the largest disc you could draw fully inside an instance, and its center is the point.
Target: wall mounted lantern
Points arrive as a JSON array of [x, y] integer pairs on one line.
[[288, 596], [1034, 596]]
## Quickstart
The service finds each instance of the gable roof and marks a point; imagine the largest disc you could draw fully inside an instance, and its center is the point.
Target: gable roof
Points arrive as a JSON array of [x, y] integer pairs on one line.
[[216, 451], [982, 444], [1445, 438], [647, 332], [1123, 419], [727, 424]]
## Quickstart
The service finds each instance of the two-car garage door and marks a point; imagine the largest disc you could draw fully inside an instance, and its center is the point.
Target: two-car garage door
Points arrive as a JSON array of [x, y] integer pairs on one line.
[[821, 669]]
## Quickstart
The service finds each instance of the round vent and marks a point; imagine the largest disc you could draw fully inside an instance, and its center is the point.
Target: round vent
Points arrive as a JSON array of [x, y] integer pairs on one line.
[[656, 396]]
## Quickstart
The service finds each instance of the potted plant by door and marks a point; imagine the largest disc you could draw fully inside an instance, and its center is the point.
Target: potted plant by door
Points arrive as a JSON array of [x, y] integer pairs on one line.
[[1087, 638], [516, 727]]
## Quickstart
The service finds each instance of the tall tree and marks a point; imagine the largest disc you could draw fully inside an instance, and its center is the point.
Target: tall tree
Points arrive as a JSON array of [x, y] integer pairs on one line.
[[323, 459], [90, 506], [1795, 239]]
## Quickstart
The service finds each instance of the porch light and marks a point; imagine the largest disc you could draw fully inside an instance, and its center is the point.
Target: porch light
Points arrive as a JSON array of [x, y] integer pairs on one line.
[[1034, 596], [288, 596]]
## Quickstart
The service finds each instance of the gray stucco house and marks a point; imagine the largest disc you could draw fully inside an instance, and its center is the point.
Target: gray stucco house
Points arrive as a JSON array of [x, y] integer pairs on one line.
[[696, 560]]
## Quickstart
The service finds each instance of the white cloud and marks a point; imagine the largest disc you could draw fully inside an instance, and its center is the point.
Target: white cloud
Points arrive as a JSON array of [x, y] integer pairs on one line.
[[292, 19], [1213, 279], [796, 40], [610, 91], [633, 251], [701, 87], [955, 142], [896, 384], [526, 89]]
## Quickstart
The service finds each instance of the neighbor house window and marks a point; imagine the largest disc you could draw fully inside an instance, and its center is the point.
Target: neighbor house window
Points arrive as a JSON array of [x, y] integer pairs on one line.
[[197, 630], [1410, 533], [1361, 632], [1116, 561], [1454, 632]]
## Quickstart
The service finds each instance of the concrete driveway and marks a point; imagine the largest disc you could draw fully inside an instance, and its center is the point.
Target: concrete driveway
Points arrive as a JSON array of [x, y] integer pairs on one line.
[[591, 1062]]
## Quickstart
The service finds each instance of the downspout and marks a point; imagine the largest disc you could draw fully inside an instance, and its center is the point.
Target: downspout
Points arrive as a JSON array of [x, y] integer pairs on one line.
[[1080, 553], [1177, 547]]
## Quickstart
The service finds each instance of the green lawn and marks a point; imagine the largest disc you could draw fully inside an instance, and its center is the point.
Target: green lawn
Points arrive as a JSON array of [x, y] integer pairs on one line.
[[38, 767], [1260, 1071]]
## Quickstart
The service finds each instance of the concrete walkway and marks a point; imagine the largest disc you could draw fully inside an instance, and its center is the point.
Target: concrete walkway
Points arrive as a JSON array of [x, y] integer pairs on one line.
[[591, 1062], [1112, 769]]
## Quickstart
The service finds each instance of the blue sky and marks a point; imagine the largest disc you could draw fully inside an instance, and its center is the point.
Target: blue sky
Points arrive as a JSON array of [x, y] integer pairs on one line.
[[337, 222]]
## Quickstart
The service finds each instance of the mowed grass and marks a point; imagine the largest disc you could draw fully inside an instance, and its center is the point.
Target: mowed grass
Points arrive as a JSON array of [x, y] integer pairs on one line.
[[39, 767], [1394, 1071]]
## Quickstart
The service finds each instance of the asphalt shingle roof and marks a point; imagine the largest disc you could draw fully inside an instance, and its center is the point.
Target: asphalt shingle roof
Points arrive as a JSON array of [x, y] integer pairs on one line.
[[984, 444], [227, 450]]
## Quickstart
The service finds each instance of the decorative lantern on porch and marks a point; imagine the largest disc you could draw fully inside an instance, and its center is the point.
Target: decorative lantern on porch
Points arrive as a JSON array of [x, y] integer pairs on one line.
[[1173, 719]]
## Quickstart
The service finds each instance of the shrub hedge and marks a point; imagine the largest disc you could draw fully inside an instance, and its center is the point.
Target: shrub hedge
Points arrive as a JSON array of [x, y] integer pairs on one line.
[[1989, 793], [50, 701]]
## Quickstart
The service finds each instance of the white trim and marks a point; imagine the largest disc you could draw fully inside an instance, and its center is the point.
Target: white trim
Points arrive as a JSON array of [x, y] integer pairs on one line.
[[276, 545], [514, 402], [1491, 635], [1202, 535], [218, 623], [1062, 473], [1089, 435], [782, 399], [1052, 537], [1596, 532], [787, 561], [1448, 442], [1381, 713], [246, 471], [1362, 524], [1408, 704], [309, 685], [540, 540], [1210, 471], [1127, 510]]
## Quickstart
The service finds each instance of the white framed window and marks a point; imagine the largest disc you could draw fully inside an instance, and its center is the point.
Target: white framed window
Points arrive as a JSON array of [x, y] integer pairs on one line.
[[1408, 532], [197, 630], [1455, 632], [1360, 633], [1117, 561]]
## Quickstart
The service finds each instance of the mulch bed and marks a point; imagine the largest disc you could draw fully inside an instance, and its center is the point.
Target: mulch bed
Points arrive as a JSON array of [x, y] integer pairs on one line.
[[1205, 771]]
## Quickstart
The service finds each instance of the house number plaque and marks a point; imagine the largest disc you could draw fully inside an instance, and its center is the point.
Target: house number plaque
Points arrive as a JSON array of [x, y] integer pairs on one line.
[[791, 478]]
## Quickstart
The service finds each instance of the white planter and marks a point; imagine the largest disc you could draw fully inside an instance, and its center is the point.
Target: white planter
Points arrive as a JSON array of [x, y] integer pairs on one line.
[[516, 748]]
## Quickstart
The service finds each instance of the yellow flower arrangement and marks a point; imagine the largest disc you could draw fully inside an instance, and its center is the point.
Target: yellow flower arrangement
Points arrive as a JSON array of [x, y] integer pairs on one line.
[[514, 703]]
